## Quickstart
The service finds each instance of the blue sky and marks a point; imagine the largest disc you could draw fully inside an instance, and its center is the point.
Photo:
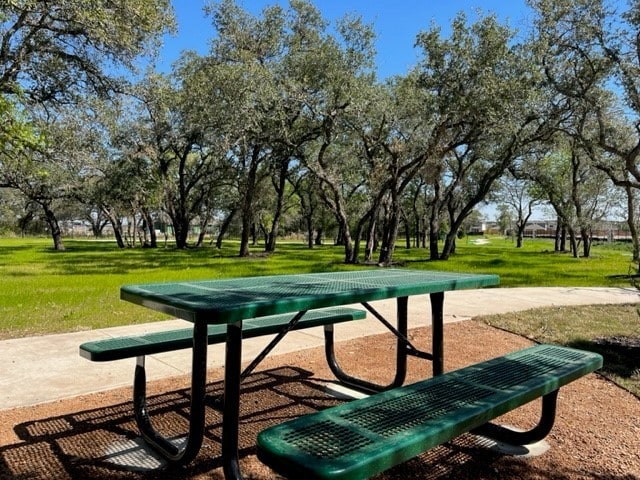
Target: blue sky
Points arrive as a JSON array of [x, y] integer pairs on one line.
[[396, 23]]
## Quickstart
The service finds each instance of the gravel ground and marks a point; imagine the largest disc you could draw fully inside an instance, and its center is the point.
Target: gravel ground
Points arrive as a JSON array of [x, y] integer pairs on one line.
[[596, 436]]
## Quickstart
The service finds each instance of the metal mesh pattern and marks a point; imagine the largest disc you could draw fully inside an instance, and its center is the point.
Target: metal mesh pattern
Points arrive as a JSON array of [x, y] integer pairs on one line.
[[508, 374], [326, 440], [418, 408], [221, 301], [560, 353]]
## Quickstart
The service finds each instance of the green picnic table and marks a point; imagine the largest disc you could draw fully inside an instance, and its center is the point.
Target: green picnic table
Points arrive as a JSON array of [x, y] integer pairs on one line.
[[231, 301]]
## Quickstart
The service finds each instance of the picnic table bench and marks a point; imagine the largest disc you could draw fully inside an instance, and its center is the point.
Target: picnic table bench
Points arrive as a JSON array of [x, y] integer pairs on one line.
[[118, 348], [139, 346], [364, 437]]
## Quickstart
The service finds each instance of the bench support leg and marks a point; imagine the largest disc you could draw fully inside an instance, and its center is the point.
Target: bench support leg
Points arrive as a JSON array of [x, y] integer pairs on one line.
[[173, 454], [537, 433], [437, 331], [402, 349]]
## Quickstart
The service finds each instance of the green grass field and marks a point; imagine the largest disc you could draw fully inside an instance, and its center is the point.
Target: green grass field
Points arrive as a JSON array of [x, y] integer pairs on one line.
[[44, 291]]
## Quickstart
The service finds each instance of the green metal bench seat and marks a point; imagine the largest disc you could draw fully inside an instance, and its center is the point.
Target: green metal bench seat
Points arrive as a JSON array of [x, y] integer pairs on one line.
[[364, 437], [158, 342]]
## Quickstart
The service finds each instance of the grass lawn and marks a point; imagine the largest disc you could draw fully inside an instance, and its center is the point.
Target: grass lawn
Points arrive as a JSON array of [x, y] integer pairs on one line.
[[44, 291]]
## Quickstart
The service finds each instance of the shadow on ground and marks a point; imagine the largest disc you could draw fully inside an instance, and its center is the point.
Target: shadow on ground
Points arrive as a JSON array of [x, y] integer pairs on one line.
[[102, 443], [621, 355]]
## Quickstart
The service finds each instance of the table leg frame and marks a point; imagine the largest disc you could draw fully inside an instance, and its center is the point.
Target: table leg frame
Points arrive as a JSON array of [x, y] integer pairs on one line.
[[403, 345], [437, 332], [231, 408], [401, 353]]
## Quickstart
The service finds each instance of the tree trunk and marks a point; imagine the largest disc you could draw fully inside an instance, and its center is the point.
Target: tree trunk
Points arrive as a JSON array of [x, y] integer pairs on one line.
[[434, 224], [247, 202], [520, 235], [116, 224], [371, 239], [407, 233], [181, 231], [574, 242], [224, 227], [449, 246], [344, 236], [204, 223], [339, 240], [586, 242], [254, 234], [153, 238], [245, 233], [280, 187], [270, 238], [390, 236], [434, 234], [349, 251], [309, 223], [631, 222], [356, 241], [201, 235], [52, 221], [561, 236]]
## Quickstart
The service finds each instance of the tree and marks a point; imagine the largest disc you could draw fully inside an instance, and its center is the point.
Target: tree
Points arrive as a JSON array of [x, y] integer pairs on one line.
[[52, 50], [577, 191], [306, 188], [593, 62], [394, 145], [243, 66], [285, 82], [486, 90], [54, 54], [517, 195], [180, 151], [504, 219], [50, 170]]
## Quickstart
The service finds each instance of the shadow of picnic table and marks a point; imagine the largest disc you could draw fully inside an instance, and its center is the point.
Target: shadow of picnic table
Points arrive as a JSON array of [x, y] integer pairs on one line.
[[103, 443]]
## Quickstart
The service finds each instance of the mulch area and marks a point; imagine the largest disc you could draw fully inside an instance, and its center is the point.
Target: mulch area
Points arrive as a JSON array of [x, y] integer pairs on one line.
[[596, 436]]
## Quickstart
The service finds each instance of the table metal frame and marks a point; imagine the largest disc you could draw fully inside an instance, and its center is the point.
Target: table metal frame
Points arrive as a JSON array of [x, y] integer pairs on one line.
[[233, 373]]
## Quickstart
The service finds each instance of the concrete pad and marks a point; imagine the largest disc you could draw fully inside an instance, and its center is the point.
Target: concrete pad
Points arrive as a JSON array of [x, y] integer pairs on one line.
[[525, 451], [47, 368]]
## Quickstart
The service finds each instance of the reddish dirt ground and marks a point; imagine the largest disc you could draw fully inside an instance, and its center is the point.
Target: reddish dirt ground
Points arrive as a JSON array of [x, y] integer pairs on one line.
[[596, 436]]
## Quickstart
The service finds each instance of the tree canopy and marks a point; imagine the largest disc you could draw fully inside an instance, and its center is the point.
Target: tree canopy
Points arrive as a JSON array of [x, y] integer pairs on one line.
[[283, 126]]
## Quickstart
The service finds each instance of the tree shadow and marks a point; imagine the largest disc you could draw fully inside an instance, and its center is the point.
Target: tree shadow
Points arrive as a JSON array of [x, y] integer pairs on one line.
[[621, 355]]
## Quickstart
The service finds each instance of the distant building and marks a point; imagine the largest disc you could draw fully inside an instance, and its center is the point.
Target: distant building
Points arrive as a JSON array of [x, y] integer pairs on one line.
[[606, 230]]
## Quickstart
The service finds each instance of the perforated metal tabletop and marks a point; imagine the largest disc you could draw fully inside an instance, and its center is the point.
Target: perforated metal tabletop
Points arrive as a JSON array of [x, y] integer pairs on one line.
[[230, 300]]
